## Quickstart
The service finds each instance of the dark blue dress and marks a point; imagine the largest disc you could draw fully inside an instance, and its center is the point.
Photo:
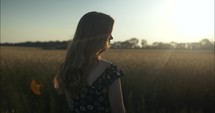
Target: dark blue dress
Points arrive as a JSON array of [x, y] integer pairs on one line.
[[94, 98]]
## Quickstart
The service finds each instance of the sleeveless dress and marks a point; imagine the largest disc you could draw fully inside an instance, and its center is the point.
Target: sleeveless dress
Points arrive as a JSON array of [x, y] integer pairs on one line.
[[94, 98]]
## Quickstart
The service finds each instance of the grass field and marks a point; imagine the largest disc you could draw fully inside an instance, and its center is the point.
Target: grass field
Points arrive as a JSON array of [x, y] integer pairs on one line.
[[155, 81]]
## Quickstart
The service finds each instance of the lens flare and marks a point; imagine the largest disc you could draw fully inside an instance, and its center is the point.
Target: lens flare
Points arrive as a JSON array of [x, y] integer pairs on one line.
[[36, 87]]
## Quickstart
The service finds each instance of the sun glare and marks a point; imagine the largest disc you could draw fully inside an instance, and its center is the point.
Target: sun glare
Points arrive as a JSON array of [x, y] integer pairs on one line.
[[193, 18]]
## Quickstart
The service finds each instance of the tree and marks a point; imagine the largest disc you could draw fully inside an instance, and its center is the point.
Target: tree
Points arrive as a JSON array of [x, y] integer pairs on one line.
[[127, 45], [134, 42], [144, 43], [161, 45], [206, 44], [116, 45], [131, 43]]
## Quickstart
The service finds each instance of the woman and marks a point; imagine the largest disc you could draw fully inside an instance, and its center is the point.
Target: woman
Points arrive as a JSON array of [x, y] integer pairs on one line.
[[90, 83]]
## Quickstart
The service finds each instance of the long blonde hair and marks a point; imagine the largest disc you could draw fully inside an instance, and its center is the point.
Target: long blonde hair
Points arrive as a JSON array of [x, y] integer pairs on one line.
[[88, 43]]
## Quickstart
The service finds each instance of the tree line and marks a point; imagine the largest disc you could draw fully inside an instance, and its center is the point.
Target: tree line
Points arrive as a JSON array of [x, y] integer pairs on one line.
[[205, 44], [44, 45], [133, 43]]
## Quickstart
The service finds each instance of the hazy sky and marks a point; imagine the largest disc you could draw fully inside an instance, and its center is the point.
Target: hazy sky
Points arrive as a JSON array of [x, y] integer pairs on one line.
[[153, 20]]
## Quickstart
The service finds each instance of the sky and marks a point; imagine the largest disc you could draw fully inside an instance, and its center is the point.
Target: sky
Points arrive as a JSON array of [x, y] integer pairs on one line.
[[152, 20]]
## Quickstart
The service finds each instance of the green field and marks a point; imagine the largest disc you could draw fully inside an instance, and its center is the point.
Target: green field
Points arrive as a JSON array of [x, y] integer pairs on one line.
[[155, 81]]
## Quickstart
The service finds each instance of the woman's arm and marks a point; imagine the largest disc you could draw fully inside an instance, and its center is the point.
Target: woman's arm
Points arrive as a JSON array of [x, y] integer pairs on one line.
[[116, 98]]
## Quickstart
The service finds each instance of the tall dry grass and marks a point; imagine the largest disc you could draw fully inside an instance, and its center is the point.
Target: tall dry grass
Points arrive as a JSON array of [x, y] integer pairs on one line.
[[156, 81]]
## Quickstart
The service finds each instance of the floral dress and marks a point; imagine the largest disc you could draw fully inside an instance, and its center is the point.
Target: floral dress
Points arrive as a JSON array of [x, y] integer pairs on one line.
[[94, 98]]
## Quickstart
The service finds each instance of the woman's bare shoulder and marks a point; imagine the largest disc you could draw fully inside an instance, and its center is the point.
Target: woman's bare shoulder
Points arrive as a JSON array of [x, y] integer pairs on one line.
[[105, 62], [98, 70]]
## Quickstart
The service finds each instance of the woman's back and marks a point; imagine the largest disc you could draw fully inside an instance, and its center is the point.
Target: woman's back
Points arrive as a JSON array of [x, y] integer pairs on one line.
[[94, 98]]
